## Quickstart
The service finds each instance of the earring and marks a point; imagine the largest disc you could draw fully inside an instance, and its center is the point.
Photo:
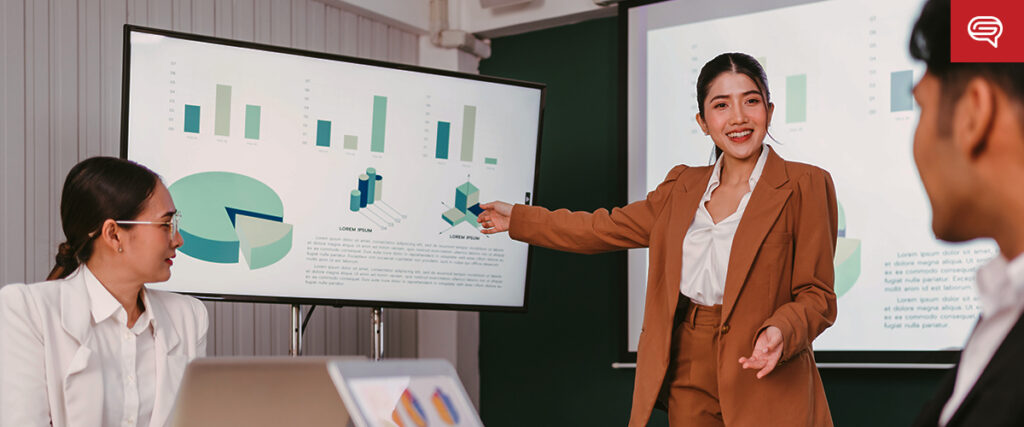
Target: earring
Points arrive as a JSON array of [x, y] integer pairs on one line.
[[119, 249]]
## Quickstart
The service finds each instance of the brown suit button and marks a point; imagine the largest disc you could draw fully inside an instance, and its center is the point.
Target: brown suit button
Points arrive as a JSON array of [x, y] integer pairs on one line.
[[725, 329]]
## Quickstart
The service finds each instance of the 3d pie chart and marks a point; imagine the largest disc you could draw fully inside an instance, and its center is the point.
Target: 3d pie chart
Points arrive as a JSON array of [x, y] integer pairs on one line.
[[847, 260], [225, 214]]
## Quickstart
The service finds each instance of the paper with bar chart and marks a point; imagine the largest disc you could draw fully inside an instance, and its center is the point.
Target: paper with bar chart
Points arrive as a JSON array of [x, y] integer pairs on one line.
[[306, 177], [841, 82]]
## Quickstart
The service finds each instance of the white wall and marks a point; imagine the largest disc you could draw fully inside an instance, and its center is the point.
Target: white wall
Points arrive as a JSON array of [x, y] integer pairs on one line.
[[60, 87]]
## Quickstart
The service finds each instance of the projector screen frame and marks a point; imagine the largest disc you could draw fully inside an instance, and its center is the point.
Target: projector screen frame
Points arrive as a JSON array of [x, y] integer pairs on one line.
[[866, 359], [336, 302]]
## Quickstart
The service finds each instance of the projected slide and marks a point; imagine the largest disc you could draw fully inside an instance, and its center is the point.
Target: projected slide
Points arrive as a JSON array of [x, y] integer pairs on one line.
[[319, 178], [841, 79]]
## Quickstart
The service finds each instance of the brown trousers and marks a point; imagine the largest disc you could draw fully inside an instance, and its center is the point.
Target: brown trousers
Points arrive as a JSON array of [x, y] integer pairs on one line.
[[692, 370]]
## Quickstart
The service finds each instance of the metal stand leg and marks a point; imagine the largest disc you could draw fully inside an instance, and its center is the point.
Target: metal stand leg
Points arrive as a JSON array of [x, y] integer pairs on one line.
[[377, 346], [296, 349]]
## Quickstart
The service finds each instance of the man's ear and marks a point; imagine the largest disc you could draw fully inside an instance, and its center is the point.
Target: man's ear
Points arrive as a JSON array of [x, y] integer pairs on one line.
[[973, 116]]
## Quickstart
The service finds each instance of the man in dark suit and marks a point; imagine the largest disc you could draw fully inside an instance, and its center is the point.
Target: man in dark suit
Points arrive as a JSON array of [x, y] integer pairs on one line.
[[969, 150]]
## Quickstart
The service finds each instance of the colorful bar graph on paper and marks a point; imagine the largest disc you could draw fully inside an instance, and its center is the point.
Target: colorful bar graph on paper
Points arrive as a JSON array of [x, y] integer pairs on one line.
[[468, 132], [380, 111], [323, 133], [191, 118], [222, 116], [796, 98], [351, 142], [490, 160], [443, 131], [252, 121], [901, 87]]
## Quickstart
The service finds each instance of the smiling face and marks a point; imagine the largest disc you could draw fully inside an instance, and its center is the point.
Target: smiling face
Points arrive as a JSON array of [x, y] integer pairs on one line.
[[735, 115], [149, 248]]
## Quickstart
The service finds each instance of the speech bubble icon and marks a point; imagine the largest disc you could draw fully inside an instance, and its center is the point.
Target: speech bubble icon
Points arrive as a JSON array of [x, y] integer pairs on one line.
[[985, 29]]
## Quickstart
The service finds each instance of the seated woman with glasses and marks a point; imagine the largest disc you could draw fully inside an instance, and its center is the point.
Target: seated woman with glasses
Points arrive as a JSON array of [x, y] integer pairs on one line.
[[92, 345]]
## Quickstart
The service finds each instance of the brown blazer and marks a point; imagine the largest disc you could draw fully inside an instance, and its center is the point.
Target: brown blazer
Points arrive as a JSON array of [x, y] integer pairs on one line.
[[780, 274]]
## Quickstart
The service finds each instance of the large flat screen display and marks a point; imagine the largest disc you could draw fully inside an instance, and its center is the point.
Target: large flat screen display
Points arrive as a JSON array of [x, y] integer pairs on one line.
[[303, 176], [840, 77]]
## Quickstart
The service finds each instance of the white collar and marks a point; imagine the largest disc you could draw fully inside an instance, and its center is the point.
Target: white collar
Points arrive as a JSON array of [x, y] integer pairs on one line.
[[103, 305], [755, 175], [1000, 284]]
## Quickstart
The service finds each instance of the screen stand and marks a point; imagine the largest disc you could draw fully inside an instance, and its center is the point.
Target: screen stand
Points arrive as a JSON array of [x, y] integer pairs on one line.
[[377, 346], [296, 348]]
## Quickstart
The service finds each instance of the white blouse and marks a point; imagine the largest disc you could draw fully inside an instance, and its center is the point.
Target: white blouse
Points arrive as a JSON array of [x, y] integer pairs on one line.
[[707, 245], [127, 356]]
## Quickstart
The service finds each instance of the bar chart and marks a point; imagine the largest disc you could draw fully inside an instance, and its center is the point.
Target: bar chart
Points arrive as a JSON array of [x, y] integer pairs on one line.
[[367, 199], [323, 133], [380, 112], [443, 132], [443, 141], [192, 118], [222, 116], [796, 98], [901, 86]]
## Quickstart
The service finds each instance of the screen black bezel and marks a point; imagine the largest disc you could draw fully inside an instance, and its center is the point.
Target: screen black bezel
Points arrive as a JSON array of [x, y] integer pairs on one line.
[[125, 85]]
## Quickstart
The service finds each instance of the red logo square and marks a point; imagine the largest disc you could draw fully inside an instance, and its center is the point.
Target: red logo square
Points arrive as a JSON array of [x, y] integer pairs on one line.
[[986, 31]]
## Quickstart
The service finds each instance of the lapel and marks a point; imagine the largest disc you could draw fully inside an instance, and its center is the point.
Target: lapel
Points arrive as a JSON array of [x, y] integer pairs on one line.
[[1005, 361], [166, 340], [763, 208], [83, 381], [684, 207]]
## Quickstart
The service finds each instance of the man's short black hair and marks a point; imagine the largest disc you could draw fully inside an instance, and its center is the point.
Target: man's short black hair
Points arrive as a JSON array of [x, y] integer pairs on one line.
[[930, 43]]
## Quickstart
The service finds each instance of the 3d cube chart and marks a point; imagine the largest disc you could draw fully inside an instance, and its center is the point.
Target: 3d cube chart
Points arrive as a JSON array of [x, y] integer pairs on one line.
[[467, 206]]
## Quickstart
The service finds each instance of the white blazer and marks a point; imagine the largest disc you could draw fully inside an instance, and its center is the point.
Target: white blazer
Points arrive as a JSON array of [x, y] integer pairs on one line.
[[49, 373]]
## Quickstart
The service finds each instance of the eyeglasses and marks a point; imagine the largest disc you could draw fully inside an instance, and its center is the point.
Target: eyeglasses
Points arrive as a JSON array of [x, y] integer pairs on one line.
[[174, 222]]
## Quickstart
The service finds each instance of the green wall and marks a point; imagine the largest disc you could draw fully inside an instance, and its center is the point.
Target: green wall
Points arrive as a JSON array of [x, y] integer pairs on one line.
[[552, 365]]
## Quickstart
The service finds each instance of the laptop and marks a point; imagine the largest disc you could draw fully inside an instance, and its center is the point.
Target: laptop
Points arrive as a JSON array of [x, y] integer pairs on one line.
[[403, 393], [259, 391]]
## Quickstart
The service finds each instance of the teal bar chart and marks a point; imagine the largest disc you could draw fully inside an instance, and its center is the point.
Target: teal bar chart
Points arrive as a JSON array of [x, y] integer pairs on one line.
[[192, 118], [252, 121], [443, 131], [901, 87], [380, 112], [323, 133]]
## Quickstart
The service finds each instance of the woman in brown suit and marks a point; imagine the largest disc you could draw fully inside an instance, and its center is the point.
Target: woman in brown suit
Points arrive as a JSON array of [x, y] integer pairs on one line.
[[741, 272]]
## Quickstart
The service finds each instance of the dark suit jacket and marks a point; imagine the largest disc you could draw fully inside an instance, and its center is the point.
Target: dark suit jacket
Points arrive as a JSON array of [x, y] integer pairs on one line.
[[780, 274], [997, 398]]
